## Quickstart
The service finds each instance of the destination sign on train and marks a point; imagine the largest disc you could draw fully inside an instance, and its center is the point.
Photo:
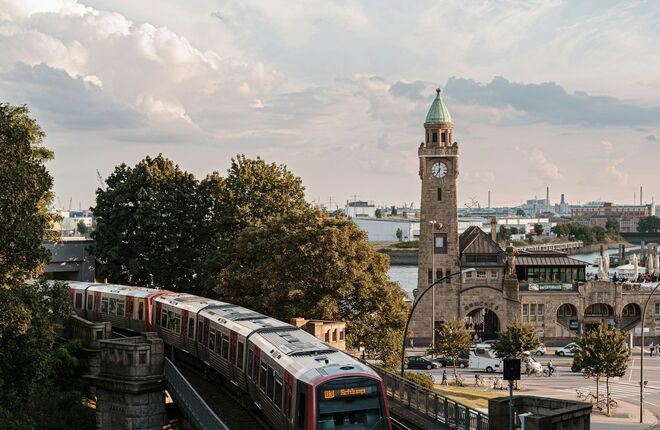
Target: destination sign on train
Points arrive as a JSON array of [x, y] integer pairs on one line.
[[347, 392]]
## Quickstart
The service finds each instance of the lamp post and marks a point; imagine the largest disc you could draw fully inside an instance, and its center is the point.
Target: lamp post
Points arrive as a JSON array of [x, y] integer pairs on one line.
[[432, 282], [412, 311], [641, 358]]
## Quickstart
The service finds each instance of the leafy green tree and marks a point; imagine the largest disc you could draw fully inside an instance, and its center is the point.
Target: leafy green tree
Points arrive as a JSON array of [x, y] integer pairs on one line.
[[82, 228], [613, 226], [520, 212], [538, 229], [378, 213], [599, 233], [399, 234], [515, 340], [649, 224], [514, 230], [603, 353], [452, 340], [149, 229], [503, 234], [24, 195], [253, 193], [308, 264], [393, 211]]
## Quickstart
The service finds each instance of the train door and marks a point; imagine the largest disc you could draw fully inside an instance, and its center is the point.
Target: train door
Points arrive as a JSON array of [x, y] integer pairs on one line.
[[288, 391], [233, 338], [130, 318], [184, 329], [303, 411], [157, 310]]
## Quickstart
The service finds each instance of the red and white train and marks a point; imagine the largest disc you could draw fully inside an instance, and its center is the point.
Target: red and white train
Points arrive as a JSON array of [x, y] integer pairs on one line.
[[297, 381]]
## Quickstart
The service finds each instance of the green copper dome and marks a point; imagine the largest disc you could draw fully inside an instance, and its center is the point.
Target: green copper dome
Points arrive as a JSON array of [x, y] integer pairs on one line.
[[438, 113]]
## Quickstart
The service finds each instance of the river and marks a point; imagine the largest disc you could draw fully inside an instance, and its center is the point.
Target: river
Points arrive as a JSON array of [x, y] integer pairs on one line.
[[406, 276]]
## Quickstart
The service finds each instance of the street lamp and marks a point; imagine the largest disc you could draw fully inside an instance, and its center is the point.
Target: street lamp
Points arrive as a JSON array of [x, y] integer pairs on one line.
[[412, 311], [641, 359]]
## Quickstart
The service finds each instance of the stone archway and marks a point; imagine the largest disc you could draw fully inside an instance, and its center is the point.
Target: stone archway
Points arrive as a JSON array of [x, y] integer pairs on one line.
[[483, 323], [597, 313]]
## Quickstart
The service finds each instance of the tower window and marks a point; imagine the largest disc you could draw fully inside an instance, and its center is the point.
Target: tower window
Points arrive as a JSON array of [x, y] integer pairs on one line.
[[444, 137], [447, 273], [430, 276], [440, 243], [435, 136], [439, 194]]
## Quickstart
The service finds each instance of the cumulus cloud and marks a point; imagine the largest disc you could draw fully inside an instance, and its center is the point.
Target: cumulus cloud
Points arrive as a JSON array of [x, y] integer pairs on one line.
[[652, 138], [542, 167], [619, 177], [551, 103]]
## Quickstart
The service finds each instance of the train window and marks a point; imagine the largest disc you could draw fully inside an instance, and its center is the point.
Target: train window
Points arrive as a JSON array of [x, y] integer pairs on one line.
[[120, 308], [90, 303], [271, 383], [141, 310], [113, 307], [163, 319], [249, 363], [191, 328], [79, 300], [104, 305], [301, 410], [239, 360], [278, 391], [225, 347], [212, 340], [173, 321], [263, 375], [129, 308]]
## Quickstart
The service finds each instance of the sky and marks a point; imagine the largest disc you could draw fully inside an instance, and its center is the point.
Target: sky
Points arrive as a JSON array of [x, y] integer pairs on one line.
[[542, 93]]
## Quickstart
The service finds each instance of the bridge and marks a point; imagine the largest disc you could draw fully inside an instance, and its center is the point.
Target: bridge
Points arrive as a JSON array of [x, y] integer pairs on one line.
[[637, 238], [563, 246]]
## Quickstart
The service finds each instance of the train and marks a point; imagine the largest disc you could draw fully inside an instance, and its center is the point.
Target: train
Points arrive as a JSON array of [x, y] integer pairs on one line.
[[297, 381]]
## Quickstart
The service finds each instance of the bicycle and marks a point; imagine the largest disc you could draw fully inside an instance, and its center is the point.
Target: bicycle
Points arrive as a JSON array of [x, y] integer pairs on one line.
[[601, 403], [581, 395]]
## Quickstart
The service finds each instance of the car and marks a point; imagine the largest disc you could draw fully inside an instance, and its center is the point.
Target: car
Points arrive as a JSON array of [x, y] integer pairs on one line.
[[575, 368], [449, 362], [539, 351], [567, 350], [419, 362]]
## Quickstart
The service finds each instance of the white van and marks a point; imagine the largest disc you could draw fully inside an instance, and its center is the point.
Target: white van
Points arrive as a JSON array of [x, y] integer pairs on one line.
[[485, 359]]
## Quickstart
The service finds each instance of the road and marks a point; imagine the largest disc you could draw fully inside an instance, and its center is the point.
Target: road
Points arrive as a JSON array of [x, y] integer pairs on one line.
[[563, 385]]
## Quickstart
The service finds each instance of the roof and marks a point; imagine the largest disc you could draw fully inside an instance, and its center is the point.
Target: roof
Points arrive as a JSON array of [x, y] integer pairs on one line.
[[438, 113], [475, 241], [546, 259]]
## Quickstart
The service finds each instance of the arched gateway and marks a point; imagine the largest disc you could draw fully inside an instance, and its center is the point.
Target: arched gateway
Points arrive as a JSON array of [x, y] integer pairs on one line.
[[483, 323]]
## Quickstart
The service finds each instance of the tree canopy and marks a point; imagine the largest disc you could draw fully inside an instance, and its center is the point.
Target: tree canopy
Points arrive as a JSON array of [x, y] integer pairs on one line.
[[649, 224], [149, 227], [24, 195], [516, 339], [306, 263]]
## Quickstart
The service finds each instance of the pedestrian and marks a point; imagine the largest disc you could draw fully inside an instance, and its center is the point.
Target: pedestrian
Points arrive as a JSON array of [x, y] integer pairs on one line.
[[651, 348], [444, 377]]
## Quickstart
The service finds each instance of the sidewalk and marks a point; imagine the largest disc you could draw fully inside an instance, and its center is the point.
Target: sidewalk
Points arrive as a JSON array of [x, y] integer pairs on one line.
[[626, 417]]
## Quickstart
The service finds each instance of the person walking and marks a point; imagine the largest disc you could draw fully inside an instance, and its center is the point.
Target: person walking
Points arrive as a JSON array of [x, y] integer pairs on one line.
[[651, 348], [444, 377]]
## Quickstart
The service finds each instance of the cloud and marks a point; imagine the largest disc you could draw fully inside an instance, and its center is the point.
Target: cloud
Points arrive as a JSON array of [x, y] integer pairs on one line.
[[542, 167], [478, 178], [66, 101], [652, 138], [417, 90], [619, 177], [549, 102]]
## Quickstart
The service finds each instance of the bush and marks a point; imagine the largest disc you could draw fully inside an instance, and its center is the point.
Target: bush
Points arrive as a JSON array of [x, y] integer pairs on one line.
[[407, 245], [420, 379]]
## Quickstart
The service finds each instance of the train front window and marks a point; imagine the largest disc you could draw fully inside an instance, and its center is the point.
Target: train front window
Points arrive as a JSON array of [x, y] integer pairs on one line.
[[350, 404]]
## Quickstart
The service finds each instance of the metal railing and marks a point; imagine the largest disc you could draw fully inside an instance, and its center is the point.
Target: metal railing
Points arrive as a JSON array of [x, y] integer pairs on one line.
[[191, 404], [432, 404]]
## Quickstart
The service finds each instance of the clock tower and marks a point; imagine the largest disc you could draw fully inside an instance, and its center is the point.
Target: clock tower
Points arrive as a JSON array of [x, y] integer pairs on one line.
[[438, 239]]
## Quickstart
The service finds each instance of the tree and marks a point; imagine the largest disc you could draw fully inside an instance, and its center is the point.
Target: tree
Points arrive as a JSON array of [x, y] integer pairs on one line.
[[599, 233], [649, 224], [318, 267], [538, 229], [404, 214], [82, 228], [393, 211], [514, 230], [503, 234], [378, 213], [515, 340], [520, 212], [603, 353], [452, 340], [613, 226], [253, 193], [399, 234], [24, 195], [149, 230]]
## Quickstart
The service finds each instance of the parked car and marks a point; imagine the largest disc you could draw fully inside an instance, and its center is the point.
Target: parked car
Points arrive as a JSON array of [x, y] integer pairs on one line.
[[539, 351], [568, 350], [419, 362], [575, 368], [449, 362]]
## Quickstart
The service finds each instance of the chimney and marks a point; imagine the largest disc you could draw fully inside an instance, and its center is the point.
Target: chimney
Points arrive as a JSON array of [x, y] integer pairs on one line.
[[547, 195], [641, 190], [493, 229], [488, 199]]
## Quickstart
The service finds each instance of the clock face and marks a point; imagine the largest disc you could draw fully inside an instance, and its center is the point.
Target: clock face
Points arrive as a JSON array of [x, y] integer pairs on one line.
[[439, 169]]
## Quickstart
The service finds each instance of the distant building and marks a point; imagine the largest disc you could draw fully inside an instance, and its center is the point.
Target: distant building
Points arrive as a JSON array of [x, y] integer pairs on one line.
[[70, 260], [359, 208], [331, 332], [384, 229], [597, 213]]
